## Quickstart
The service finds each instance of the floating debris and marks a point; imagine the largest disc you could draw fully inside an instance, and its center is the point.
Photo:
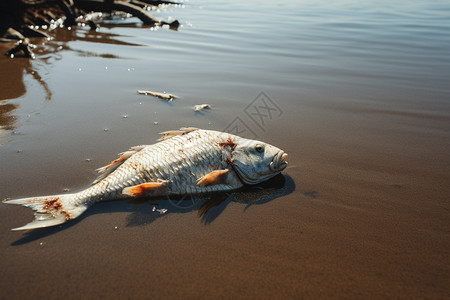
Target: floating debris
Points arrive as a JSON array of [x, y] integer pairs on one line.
[[201, 107], [164, 96], [161, 211]]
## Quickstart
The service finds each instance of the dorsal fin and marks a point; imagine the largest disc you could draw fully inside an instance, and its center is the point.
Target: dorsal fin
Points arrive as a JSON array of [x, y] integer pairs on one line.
[[109, 168], [189, 129], [171, 133]]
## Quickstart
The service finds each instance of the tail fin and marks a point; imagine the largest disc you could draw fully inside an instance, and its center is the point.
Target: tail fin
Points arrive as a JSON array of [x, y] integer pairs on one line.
[[50, 210]]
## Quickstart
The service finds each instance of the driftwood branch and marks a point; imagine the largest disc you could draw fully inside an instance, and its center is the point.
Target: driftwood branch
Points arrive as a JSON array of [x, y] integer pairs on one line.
[[125, 6], [23, 16]]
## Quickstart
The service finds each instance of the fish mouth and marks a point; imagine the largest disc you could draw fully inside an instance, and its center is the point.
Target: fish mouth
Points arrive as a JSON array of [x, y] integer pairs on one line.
[[279, 162], [277, 165]]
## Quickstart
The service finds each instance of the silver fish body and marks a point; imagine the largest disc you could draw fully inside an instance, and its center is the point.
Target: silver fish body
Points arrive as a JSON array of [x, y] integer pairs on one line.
[[188, 161]]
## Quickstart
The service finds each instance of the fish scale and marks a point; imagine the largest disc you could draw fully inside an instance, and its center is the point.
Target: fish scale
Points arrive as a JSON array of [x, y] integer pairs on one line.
[[185, 161]]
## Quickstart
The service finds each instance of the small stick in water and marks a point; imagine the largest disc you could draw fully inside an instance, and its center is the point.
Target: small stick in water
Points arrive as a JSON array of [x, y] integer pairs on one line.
[[164, 96], [201, 107]]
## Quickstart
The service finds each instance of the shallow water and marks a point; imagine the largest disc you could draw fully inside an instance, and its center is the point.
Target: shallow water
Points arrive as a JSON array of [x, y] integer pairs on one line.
[[358, 95]]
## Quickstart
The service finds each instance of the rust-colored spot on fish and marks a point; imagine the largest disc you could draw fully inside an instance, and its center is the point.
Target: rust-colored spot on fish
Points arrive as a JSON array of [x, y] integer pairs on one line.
[[228, 161], [52, 204], [180, 150], [68, 217], [228, 143]]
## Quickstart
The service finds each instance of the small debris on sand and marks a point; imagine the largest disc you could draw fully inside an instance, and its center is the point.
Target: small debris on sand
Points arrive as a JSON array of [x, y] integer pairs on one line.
[[201, 107], [168, 97]]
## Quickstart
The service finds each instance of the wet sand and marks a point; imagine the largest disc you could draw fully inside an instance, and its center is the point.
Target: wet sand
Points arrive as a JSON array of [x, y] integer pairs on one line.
[[362, 210]]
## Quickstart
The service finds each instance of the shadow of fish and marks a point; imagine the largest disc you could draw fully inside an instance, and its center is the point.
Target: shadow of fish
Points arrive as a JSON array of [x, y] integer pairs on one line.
[[208, 206]]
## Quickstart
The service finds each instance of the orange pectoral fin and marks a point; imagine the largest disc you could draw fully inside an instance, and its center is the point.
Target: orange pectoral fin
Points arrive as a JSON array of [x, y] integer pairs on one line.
[[144, 188], [213, 178]]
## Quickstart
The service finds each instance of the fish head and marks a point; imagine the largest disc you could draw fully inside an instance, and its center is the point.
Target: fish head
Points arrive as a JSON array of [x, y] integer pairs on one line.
[[256, 161]]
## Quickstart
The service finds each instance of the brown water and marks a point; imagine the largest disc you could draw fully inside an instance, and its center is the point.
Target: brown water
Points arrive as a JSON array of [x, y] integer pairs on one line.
[[358, 94]]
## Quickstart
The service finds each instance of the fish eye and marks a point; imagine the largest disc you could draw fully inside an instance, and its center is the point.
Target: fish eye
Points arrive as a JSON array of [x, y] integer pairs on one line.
[[259, 148]]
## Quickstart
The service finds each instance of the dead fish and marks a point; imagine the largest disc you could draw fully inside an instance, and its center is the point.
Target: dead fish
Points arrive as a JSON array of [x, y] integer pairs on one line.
[[185, 161], [164, 96], [201, 107]]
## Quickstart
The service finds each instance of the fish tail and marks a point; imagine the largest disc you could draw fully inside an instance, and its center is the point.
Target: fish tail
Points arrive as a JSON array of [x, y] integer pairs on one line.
[[50, 210]]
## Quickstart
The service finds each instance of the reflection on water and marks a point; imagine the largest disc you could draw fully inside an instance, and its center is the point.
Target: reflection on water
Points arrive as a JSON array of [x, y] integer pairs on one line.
[[12, 71], [6, 119], [85, 35], [64, 38], [13, 87]]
